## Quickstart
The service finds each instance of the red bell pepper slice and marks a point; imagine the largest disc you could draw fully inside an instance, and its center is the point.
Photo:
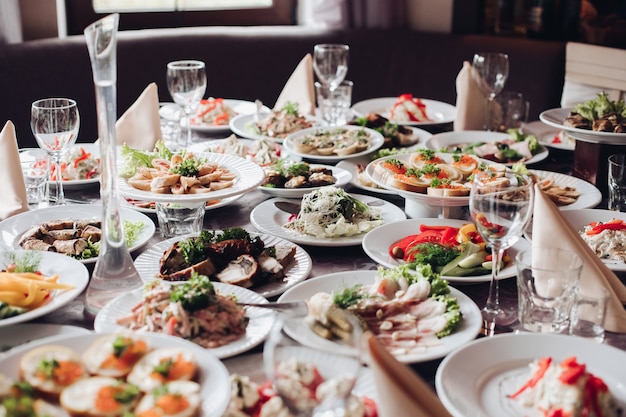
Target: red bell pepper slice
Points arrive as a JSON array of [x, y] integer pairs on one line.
[[544, 364], [597, 227]]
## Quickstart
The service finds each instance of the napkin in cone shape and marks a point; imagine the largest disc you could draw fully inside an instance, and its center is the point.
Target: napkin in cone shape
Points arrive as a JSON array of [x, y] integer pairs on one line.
[[12, 186], [470, 101], [140, 126], [401, 391], [550, 229], [299, 88]]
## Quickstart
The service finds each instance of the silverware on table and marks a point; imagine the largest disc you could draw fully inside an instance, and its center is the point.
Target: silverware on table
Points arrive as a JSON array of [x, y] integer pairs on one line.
[[294, 208], [296, 308]]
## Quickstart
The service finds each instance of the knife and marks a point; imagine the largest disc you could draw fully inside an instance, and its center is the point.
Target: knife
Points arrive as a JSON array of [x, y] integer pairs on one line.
[[294, 208]]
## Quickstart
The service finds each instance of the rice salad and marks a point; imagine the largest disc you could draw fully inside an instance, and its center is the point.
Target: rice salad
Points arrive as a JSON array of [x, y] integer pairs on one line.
[[330, 212]]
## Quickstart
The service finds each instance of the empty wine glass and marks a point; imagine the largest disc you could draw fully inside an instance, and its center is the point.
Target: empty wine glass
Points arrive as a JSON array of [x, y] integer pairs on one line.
[[490, 71], [311, 382], [330, 62], [186, 82], [55, 123], [500, 206]]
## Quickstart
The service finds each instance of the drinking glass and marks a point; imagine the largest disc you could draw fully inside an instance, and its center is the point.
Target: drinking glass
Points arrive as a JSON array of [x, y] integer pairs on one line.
[[186, 82], [55, 123], [490, 72], [330, 62], [500, 206], [296, 371]]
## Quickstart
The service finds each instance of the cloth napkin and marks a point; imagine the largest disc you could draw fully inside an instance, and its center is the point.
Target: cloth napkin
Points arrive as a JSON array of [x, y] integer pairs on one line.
[[550, 229], [300, 88], [470, 102], [12, 188], [401, 391], [140, 126]]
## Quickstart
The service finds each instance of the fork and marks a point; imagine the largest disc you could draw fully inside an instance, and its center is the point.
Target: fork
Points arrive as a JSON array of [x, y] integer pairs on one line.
[[296, 308]]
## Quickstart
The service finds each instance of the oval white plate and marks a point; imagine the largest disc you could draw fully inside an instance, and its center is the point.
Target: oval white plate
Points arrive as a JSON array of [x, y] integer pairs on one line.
[[581, 218], [442, 140], [20, 334], [590, 195], [93, 148], [376, 141], [261, 319], [240, 126], [467, 331], [267, 218], [213, 375], [169, 110], [217, 146], [220, 203], [341, 175], [147, 264], [249, 176], [70, 271], [555, 118], [545, 134], [377, 242], [12, 229], [438, 111], [475, 379]]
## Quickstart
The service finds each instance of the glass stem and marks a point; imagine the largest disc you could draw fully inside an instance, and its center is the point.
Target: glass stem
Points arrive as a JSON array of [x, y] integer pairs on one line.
[[487, 120], [493, 300], [188, 141], [60, 195]]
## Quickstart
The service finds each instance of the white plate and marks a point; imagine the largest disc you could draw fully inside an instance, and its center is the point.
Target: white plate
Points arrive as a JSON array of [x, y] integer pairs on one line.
[[467, 331], [475, 379], [267, 218], [93, 148], [445, 139], [377, 242], [555, 118], [70, 271], [220, 203], [355, 167], [212, 374], [589, 197], [12, 229], [217, 146], [341, 175], [240, 126], [20, 334], [169, 111], [376, 141], [249, 176], [261, 319], [581, 218], [147, 264], [382, 181], [438, 111], [252, 366], [545, 134]]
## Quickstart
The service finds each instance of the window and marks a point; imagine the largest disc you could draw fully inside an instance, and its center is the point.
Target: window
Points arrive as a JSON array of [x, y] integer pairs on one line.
[[144, 14]]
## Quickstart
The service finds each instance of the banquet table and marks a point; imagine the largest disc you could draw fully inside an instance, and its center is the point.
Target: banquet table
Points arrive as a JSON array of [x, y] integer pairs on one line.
[[325, 259]]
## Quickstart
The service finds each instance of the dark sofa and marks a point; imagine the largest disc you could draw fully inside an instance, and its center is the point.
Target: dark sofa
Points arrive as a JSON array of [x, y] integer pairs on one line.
[[255, 62]]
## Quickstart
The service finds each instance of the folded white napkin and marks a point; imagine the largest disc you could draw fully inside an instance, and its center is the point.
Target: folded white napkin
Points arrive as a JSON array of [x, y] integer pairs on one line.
[[550, 229], [140, 126], [470, 102], [401, 391], [12, 188], [300, 88]]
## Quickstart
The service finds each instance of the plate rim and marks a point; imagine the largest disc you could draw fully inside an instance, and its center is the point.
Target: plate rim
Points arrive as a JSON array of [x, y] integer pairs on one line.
[[449, 107], [269, 210], [303, 257], [472, 325], [216, 128], [344, 174], [550, 118], [594, 192]]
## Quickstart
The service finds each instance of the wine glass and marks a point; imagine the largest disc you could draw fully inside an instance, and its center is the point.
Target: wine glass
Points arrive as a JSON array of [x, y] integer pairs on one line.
[[55, 123], [330, 62], [490, 72], [310, 381], [186, 82], [500, 206]]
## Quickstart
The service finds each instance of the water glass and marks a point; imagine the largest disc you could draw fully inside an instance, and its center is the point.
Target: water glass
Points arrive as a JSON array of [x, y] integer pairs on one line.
[[186, 82], [617, 182], [546, 282], [334, 104], [510, 112], [330, 63], [176, 219], [588, 312]]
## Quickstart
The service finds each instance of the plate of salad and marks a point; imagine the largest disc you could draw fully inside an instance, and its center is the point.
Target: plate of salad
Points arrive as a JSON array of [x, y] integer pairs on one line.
[[348, 287], [506, 148], [138, 229], [453, 248]]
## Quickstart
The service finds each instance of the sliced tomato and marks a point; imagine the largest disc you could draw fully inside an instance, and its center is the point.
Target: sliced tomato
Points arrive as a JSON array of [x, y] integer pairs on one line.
[[544, 364], [370, 407], [597, 227]]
